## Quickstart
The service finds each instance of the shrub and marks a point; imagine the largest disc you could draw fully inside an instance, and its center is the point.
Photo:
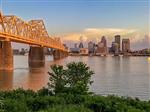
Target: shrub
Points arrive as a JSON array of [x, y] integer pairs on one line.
[[68, 108], [75, 79]]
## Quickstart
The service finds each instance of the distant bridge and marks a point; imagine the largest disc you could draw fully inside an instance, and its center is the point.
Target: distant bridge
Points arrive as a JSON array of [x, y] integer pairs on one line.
[[34, 33]]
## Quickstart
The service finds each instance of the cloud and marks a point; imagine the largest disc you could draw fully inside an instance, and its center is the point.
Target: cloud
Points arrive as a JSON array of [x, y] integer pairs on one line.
[[138, 38], [96, 33], [138, 43], [108, 31]]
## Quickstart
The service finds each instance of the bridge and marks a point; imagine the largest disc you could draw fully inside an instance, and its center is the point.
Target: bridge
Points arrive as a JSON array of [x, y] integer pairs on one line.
[[33, 33]]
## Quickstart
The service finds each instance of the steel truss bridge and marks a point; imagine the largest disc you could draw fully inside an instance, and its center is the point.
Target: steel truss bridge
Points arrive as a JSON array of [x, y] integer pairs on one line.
[[32, 32]]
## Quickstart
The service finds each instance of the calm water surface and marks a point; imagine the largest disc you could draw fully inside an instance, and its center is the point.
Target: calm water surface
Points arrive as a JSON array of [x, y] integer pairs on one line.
[[125, 76]]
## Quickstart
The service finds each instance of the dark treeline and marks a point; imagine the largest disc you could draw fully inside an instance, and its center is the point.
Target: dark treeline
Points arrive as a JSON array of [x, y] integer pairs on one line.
[[68, 92]]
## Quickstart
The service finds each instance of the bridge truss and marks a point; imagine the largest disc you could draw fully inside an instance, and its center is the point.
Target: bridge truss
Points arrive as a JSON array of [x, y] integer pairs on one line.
[[32, 32]]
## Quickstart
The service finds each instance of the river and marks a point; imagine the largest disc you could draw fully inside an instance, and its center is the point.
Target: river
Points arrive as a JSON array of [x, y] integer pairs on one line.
[[123, 76]]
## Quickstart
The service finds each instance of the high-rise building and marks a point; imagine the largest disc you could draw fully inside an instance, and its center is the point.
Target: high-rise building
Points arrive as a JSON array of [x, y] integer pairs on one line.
[[115, 48], [118, 41], [81, 45], [75, 45], [91, 46], [104, 41], [125, 45], [102, 46]]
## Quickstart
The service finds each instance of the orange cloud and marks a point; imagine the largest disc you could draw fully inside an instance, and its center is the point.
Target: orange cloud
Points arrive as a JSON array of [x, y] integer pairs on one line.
[[96, 33]]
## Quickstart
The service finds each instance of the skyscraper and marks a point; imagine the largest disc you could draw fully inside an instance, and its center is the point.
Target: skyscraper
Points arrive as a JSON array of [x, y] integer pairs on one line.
[[118, 41], [125, 45], [91, 46], [81, 45], [103, 40], [115, 47], [75, 45], [102, 46]]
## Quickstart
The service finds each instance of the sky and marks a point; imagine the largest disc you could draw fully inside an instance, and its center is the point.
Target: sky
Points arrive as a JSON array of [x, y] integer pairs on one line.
[[91, 19]]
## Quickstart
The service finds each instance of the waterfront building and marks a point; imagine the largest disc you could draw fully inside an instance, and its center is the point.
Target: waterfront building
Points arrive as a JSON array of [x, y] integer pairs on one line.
[[104, 41], [115, 48], [102, 46], [118, 41], [84, 51], [81, 45], [125, 45], [75, 45], [74, 50], [95, 48], [91, 46]]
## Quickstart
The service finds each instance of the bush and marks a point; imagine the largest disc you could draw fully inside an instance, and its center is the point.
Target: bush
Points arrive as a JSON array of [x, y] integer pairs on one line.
[[35, 101], [14, 106], [75, 79], [67, 108]]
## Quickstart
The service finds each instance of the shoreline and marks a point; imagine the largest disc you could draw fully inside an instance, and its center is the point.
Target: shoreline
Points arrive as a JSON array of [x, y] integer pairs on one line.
[[110, 55]]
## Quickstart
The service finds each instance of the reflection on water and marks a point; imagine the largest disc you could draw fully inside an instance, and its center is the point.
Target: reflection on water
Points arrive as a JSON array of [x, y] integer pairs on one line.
[[6, 80], [36, 79], [125, 76]]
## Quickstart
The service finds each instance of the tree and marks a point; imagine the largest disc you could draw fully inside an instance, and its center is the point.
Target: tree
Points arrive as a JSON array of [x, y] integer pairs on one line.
[[57, 80], [75, 79], [1, 105]]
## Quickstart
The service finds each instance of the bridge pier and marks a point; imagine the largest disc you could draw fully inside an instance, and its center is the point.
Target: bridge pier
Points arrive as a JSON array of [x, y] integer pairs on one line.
[[6, 55], [36, 57], [57, 54]]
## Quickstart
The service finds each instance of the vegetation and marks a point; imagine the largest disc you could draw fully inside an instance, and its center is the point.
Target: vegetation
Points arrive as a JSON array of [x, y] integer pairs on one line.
[[68, 92], [75, 79]]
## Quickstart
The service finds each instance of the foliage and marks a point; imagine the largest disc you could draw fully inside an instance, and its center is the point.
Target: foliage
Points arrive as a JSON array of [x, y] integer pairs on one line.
[[70, 87], [68, 108], [28, 101], [75, 79], [1, 105]]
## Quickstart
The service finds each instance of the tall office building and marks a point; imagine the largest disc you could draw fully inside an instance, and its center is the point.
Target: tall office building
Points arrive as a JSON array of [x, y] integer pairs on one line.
[[125, 45], [118, 41], [115, 47], [81, 45], [104, 41], [102, 46], [75, 45], [91, 47]]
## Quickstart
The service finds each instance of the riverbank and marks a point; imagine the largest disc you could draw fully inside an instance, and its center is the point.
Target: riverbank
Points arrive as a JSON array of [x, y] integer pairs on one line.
[[43, 101], [130, 55]]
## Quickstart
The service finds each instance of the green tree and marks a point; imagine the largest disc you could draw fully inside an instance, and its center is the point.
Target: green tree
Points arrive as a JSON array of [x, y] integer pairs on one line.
[[57, 80], [75, 79], [79, 77]]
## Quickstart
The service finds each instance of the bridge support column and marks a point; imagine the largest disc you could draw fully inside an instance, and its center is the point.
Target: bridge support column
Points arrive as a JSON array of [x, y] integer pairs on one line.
[[6, 55], [57, 54], [36, 57]]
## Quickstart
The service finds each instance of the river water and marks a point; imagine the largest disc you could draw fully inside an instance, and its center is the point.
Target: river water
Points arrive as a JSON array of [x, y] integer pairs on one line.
[[123, 76]]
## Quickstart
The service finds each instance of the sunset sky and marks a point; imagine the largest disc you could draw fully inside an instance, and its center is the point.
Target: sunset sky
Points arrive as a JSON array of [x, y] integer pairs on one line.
[[90, 19]]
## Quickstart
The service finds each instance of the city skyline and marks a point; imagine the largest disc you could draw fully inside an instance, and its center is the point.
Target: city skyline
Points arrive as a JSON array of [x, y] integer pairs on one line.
[[90, 19]]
